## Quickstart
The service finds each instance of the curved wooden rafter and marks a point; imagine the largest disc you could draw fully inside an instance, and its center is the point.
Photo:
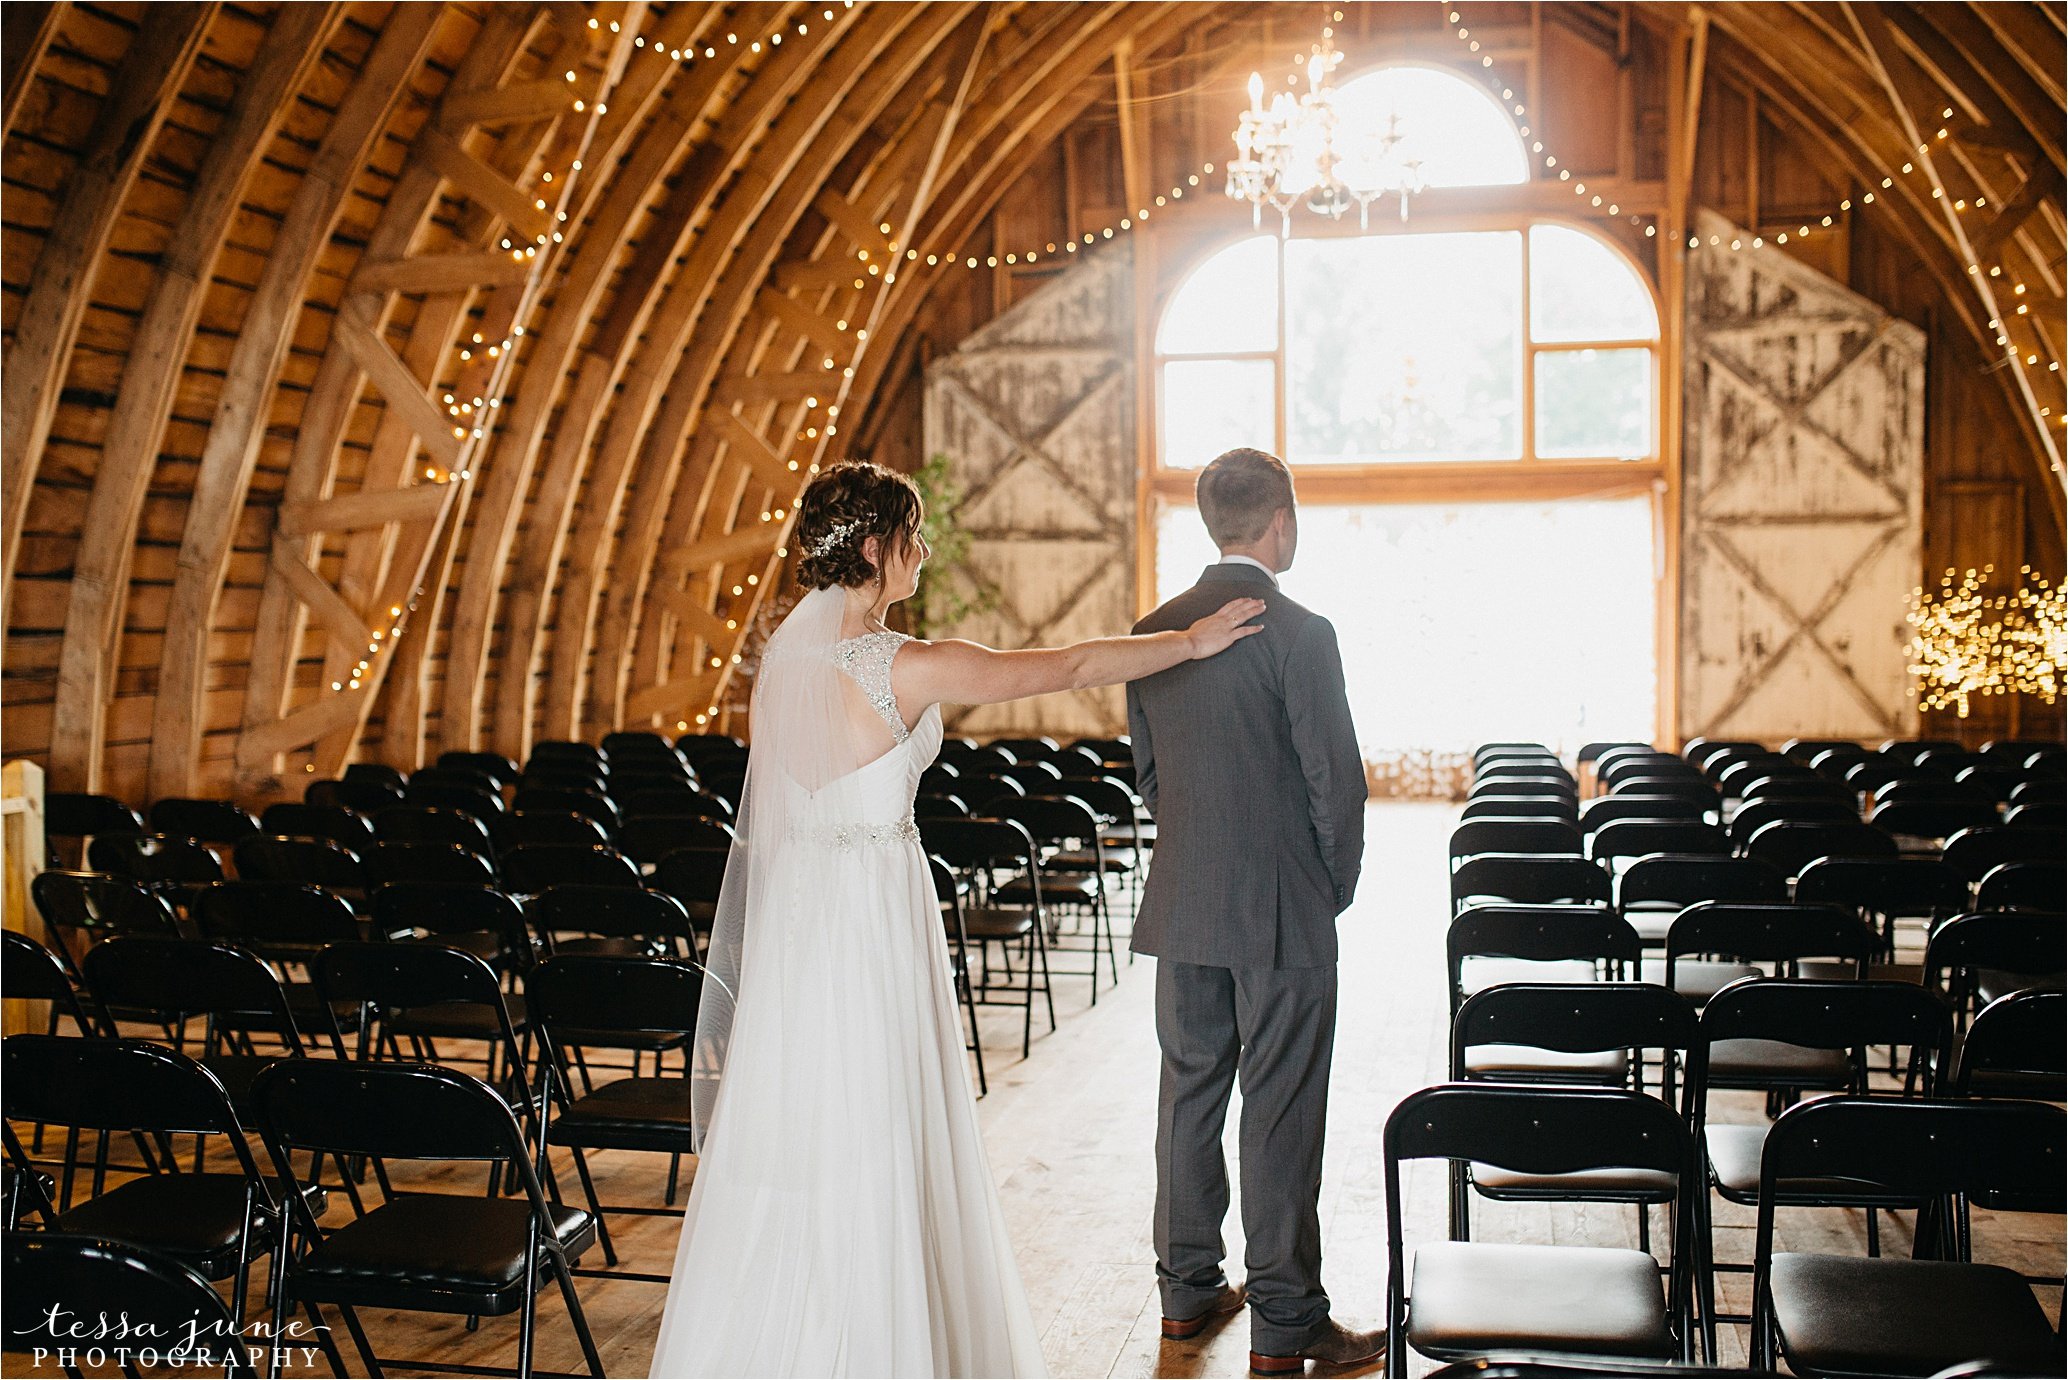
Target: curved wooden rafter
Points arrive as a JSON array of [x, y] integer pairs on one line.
[[698, 330]]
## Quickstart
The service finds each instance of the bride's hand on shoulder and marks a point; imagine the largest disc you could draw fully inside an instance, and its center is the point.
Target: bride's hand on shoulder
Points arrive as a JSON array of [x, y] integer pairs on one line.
[[1224, 627]]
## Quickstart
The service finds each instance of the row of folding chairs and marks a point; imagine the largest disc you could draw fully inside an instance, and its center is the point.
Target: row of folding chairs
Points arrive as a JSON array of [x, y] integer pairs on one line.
[[352, 1108]]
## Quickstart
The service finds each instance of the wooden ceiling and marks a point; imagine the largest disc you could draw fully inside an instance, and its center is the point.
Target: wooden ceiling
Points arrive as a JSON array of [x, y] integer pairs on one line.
[[382, 379]]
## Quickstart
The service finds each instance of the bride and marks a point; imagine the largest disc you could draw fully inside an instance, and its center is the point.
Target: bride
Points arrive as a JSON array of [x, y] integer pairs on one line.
[[843, 1220]]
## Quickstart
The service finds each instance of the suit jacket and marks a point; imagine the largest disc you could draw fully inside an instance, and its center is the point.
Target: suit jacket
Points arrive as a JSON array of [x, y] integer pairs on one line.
[[1249, 763]]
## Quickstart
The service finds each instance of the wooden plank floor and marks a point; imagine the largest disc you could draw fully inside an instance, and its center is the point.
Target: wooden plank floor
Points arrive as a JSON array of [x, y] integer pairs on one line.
[[1070, 1132]]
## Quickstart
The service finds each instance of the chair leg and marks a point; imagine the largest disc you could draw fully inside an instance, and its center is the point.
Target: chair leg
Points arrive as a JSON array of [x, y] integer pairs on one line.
[[366, 1356], [581, 1167], [576, 1315], [1705, 1265]]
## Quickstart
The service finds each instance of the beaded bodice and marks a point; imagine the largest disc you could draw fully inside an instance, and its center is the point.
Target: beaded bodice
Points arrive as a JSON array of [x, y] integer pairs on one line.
[[866, 660]]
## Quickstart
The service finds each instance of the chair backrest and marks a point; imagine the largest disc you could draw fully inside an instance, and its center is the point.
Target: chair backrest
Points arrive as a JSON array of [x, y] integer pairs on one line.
[[649, 838], [532, 867], [615, 912], [624, 996], [1932, 819], [2038, 814], [1528, 879], [586, 803], [491, 764], [320, 862], [396, 977], [91, 904], [1576, 1018], [1607, 809], [1521, 807], [80, 814], [2023, 1033], [460, 778], [694, 876], [1680, 880], [969, 843], [167, 1307], [429, 824], [564, 776], [1973, 852], [30, 972], [481, 804], [379, 772], [393, 1110], [155, 858], [2023, 886], [211, 821], [985, 791], [1556, 786], [2024, 942], [1816, 1014], [112, 1085], [680, 798], [1756, 814], [552, 749], [270, 916], [1052, 818], [1512, 835], [1543, 934], [1769, 933], [427, 862], [361, 797], [452, 908], [1868, 1150], [1639, 838], [338, 823], [1884, 886], [2048, 787], [1793, 845], [1936, 790], [564, 827], [190, 976], [1113, 802]]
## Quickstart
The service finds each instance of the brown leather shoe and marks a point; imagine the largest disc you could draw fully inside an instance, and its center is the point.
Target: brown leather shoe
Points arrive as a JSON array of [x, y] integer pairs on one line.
[[1184, 1329], [1338, 1346]]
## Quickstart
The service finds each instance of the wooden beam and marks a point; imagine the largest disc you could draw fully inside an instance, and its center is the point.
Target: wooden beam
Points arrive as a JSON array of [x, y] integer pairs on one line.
[[356, 512], [746, 446], [385, 370], [151, 378], [245, 396], [691, 692], [805, 322], [498, 105], [140, 96], [782, 387], [321, 597], [2042, 187], [331, 710], [699, 620], [1876, 37], [484, 184], [440, 272], [757, 540], [1134, 129], [25, 34]]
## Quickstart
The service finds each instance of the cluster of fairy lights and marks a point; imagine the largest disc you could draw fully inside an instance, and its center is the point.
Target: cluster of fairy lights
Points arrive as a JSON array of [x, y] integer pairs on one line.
[[1967, 642], [2023, 359]]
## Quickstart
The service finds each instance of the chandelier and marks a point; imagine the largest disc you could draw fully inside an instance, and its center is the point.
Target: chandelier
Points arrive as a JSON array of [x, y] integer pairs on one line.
[[1292, 153], [1967, 643]]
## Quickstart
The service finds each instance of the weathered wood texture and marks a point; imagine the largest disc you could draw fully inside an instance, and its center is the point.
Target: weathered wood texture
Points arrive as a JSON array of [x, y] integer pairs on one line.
[[1803, 510], [1036, 414], [192, 196]]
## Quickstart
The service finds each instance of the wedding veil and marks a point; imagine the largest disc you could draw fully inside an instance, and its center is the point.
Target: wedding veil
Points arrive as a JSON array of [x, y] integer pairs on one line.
[[800, 789]]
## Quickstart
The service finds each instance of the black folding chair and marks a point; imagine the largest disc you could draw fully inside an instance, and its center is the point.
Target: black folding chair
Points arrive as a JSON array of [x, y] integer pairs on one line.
[[400, 1255], [624, 922], [1493, 944], [1713, 944], [561, 827], [1653, 890], [531, 868], [1528, 878], [2023, 886], [215, 1224], [313, 862], [2015, 1048], [30, 972], [1517, 834], [948, 891], [50, 1273], [388, 863], [1470, 1298], [427, 824], [592, 1000], [987, 852], [338, 823], [1792, 845], [1625, 841], [210, 821], [1844, 1315]]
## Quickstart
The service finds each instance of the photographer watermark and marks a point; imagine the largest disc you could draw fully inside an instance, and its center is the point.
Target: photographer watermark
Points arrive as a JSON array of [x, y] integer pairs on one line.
[[75, 1340]]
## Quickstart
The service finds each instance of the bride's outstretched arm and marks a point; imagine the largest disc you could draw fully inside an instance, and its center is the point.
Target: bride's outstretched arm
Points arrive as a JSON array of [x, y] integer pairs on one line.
[[957, 672]]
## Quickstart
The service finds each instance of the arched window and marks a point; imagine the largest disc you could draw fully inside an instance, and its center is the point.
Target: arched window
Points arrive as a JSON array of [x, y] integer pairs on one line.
[[1538, 342], [1470, 404]]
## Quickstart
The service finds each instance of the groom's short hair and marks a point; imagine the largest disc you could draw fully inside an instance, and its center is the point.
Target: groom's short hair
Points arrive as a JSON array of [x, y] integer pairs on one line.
[[1239, 492]]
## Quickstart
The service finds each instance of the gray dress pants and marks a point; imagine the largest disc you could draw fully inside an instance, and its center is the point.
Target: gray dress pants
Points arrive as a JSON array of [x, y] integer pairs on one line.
[[1275, 1029]]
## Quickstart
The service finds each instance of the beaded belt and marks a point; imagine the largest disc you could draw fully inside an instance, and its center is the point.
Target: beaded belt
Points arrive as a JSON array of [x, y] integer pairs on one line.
[[848, 837]]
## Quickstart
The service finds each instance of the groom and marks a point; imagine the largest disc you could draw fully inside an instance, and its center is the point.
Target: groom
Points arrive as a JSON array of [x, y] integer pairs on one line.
[[1249, 764]]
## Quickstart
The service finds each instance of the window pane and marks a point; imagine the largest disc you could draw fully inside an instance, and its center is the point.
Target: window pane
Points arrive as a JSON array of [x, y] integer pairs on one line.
[[1580, 289], [1404, 347], [1497, 620], [1212, 405], [1228, 306], [1461, 137], [1594, 403]]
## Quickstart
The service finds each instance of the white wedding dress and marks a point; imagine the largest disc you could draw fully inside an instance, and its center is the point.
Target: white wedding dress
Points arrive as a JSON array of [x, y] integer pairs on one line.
[[843, 1220]]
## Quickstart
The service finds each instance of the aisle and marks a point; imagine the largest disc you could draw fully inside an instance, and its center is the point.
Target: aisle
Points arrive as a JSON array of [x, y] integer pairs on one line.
[[1072, 1130]]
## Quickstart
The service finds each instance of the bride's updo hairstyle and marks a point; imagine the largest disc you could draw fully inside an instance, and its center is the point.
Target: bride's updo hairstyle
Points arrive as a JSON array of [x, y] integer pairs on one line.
[[846, 505]]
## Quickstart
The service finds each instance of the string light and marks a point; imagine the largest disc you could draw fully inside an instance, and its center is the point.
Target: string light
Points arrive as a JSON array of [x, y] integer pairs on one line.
[[1967, 643]]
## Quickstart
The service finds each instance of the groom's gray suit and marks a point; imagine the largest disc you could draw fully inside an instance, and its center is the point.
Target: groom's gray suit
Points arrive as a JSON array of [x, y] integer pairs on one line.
[[1249, 763]]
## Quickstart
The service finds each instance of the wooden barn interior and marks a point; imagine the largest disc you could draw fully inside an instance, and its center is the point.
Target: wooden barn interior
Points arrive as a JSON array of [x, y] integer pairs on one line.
[[429, 387]]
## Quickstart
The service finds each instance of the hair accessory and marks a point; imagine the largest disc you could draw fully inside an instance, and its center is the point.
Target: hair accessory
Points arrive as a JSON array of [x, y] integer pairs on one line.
[[836, 534]]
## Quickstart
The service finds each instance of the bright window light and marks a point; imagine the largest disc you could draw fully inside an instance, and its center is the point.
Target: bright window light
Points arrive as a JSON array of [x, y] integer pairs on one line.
[[1466, 623]]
